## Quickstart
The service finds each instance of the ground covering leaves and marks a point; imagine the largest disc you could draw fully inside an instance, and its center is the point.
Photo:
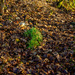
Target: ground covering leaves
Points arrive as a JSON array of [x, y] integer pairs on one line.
[[55, 55]]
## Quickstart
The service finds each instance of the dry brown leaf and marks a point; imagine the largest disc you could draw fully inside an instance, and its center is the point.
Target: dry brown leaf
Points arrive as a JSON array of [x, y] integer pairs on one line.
[[2, 35]]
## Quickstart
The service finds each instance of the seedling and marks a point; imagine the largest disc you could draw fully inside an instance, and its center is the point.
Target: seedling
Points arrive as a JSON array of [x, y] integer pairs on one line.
[[35, 37]]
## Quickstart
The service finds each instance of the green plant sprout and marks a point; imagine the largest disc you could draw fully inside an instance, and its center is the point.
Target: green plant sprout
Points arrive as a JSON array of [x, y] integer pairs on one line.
[[74, 50], [35, 37]]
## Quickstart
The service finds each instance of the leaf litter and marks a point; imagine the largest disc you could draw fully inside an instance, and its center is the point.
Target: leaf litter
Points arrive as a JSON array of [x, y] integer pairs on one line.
[[55, 55]]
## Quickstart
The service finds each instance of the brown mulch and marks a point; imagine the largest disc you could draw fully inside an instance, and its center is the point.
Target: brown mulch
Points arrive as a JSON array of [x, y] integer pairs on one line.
[[55, 55]]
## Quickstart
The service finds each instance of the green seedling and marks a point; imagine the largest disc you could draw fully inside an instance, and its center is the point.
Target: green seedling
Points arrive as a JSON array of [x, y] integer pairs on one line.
[[74, 50], [33, 43], [35, 37]]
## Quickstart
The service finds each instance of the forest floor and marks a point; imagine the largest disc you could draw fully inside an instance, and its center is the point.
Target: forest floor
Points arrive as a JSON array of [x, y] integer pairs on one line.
[[55, 55]]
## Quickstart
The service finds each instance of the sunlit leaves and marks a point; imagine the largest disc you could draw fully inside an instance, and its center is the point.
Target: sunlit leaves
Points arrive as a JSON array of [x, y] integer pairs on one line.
[[69, 5]]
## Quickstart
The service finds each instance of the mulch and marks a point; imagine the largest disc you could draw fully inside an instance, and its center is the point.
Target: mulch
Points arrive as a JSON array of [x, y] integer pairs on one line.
[[55, 55]]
